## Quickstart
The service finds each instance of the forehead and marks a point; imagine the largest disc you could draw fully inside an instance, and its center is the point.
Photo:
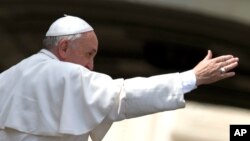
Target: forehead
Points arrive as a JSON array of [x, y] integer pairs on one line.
[[89, 36], [88, 40]]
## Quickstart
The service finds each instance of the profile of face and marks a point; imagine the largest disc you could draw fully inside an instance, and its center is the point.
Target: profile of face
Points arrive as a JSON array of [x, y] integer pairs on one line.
[[80, 51]]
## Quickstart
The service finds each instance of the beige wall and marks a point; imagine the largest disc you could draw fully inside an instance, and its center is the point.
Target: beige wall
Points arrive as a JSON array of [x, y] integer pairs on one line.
[[196, 122]]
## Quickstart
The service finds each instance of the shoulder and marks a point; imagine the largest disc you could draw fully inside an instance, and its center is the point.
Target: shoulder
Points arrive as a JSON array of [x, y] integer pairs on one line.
[[64, 68], [46, 67]]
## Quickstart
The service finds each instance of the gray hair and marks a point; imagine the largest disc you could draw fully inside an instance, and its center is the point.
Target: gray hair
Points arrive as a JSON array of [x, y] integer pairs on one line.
[[52, 41]]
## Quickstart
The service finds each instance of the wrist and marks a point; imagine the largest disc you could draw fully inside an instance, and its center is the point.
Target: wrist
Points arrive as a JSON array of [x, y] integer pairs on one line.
[[198, 79]]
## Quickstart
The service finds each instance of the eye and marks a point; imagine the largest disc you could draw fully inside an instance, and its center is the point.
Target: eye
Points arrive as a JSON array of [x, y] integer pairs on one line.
[[90, 54]]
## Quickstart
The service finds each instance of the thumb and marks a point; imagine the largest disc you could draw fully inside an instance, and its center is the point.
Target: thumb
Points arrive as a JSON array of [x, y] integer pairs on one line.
[[209, 55]]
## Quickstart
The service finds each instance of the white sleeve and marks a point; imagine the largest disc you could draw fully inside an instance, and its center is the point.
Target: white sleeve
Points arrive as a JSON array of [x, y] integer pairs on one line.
[[188, 81], [141, 96]]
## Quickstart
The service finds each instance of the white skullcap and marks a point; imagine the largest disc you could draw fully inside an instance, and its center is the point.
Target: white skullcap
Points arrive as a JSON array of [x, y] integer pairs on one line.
[[68, 25]]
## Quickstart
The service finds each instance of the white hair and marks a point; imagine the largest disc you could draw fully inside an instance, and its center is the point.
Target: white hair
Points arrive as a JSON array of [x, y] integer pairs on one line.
[[52, 41]]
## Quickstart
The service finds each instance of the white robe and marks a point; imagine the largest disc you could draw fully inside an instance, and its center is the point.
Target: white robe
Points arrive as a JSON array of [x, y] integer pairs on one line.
[[44, 99]]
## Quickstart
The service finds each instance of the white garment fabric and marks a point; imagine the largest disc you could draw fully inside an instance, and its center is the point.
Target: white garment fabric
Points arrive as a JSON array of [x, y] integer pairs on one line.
[[44, 99], [188, 79]]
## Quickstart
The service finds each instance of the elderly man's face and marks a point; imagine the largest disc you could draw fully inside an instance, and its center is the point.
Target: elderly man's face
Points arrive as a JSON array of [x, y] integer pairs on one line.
[[83, 50]]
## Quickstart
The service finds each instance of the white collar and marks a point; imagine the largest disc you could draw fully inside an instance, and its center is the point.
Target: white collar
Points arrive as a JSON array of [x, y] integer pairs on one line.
[[48, 53]]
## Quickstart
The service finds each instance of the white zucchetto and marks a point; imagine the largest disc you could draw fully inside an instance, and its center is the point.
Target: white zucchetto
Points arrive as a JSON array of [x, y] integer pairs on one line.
[[68, 25]]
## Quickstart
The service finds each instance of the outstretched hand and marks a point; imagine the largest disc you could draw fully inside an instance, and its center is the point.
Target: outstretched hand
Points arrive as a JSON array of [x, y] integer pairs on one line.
[[211, 70]]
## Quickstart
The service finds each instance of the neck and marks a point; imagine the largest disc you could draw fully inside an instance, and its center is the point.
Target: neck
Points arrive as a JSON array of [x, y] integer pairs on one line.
[[55, 52]]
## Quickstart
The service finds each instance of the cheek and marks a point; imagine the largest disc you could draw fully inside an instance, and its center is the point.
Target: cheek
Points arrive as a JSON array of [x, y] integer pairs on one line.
[[75, 58], [82, 61]]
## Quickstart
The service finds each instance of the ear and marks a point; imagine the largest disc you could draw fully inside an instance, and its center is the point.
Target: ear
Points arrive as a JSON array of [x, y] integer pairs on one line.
[[62, 49]]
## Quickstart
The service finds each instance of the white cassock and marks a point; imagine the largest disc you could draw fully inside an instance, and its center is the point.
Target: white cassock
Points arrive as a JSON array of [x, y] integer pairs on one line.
[[44, 99]]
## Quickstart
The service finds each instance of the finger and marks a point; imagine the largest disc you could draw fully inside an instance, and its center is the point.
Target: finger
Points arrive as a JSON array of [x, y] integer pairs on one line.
[[231, 66], [209, 55], [222, 58], [227, 64], [232, 60], [227, 75]]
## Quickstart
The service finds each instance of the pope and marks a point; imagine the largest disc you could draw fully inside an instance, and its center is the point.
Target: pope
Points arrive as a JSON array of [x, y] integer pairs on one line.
[[54, 95]]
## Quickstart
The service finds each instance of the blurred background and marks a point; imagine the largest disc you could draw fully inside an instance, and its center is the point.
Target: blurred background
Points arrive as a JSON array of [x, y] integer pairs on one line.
[[144, 38]]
